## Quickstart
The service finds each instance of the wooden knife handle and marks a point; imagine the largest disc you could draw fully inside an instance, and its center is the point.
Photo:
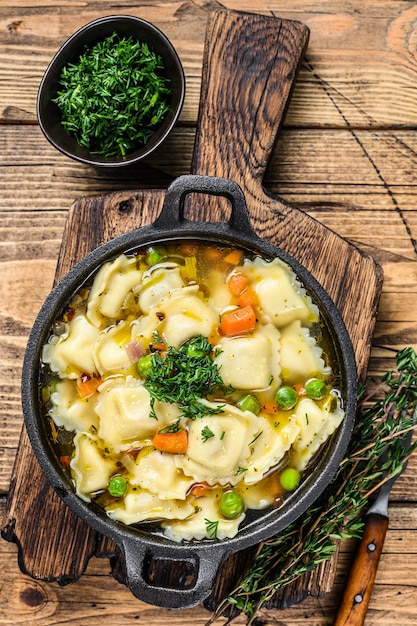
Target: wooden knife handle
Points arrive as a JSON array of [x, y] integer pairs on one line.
[[358, 590]]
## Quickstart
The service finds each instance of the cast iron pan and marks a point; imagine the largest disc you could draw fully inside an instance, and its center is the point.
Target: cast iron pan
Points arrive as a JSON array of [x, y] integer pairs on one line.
[[139, 547]]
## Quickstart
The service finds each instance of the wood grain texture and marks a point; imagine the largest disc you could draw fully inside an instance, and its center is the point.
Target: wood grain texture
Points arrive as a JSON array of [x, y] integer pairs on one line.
[[97, 599], [261, 86], [357, 53], [260, 57], [370, 220], [346, 156]]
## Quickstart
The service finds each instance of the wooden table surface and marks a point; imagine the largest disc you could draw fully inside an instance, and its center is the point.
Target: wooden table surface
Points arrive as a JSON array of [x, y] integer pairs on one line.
[[346, 156]]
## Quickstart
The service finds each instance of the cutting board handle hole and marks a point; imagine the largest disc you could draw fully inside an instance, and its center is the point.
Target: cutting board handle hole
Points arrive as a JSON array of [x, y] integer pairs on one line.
[[208, 208]]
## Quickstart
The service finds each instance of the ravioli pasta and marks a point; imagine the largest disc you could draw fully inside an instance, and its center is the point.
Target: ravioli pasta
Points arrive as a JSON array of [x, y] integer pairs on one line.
[[161, 383]]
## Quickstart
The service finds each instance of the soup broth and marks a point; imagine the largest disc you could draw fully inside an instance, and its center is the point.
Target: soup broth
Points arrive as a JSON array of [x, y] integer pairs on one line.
[[189, 385]]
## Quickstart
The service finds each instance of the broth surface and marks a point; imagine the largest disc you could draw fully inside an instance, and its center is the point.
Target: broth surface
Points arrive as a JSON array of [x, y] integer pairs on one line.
[[189, 385]]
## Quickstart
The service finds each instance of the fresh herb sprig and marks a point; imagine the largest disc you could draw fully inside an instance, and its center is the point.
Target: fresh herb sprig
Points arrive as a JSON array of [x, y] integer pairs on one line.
[[384, 415], [212, 528], [184, 376], [114, 97]]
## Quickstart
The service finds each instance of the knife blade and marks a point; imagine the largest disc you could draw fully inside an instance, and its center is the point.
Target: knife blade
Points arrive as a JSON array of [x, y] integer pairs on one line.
[[358, 590]]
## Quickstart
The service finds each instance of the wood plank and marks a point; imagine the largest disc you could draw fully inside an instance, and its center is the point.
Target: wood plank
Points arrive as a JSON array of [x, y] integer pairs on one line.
[[359, 72], [97, 597], [252, 122], [300, 171]]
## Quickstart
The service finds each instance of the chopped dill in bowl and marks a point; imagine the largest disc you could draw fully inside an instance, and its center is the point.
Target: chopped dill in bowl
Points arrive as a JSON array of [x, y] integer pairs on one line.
[[115, 97]]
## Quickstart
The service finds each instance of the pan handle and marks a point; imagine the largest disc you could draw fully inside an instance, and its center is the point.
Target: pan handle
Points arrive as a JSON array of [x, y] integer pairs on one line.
[[204, 565], [172, 212]]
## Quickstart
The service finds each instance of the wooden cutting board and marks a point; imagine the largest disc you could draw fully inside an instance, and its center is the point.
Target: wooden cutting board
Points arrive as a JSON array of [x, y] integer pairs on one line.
[[250, 65]]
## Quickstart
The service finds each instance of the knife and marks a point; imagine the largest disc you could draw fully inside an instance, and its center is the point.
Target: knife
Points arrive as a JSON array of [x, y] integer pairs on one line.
[[358, 590]]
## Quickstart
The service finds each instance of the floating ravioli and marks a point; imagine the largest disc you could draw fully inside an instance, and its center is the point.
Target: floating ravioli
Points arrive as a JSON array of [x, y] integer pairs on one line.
[[255, 496], [219, 291], [141, 505], [145, 326], [269, 447], [166, 413], [70, 354], [251, 362], [301, 357], [157, 472], [111, 288], [186, 316], [124, 411], [71, 411], [281, 297], [222, 457], [109, 353], [92, 470], [316, 425], [158, 284], [195, 527], [179, 317]]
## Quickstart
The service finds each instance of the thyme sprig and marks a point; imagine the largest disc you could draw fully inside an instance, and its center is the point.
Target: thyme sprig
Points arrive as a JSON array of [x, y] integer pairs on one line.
[[376, 453]]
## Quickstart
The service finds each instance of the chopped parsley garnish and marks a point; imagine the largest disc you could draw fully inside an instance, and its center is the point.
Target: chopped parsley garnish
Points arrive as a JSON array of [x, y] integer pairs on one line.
[[206, 433], [211, 528], [114, 97], [184, 376], [171, 428], [257, 437]]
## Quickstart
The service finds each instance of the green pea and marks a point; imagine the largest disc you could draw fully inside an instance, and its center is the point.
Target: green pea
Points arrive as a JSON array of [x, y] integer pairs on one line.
[[231, 504], [154, 254], [249, 403], [145, 365], [315, 388], [286, 398], [117, 486], [290, 478]]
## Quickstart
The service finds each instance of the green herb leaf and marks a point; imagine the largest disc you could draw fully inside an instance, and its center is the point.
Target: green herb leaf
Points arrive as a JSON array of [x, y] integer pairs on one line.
[[171, 428], [114, 98], [211, 528], [206, 433], [184, 376]]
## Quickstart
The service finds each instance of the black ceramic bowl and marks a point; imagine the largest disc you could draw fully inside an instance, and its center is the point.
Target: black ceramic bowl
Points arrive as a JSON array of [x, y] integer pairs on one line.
[[49, 115], [140, 546]]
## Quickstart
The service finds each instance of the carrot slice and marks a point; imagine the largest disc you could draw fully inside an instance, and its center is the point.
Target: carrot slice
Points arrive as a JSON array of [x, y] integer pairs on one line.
[[87, 385], [175, 443], [237, 283], [248, 298], [199, 489], [212, 253], [270, 408], [238, 321], [161, 346], [234, 257], [299, 389]]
